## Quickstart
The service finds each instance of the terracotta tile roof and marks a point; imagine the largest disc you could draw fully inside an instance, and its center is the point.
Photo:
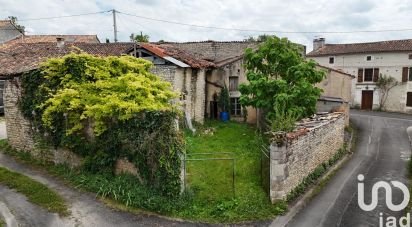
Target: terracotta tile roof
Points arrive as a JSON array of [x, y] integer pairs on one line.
[[52, 38], [357, 48], [163, 50], [23, 57]]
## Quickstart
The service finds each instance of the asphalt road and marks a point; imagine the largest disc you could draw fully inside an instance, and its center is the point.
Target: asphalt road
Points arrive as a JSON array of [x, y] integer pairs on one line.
[[381, 154]]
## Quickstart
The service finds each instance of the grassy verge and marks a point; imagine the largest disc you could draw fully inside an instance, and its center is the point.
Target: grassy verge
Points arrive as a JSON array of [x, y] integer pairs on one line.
[[2, 222], [35, 192]]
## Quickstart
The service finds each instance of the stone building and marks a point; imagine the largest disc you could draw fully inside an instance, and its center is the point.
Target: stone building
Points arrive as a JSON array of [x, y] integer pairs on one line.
[[336, 95], [8, 31], [367, 61]]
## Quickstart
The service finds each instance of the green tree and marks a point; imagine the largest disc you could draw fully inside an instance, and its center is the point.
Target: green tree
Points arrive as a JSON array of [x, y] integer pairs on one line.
[[142, 38], [280, 79], [385, 83], [13, 20]]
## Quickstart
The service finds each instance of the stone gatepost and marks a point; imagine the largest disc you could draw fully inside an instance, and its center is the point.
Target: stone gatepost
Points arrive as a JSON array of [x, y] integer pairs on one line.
[[278, 171]]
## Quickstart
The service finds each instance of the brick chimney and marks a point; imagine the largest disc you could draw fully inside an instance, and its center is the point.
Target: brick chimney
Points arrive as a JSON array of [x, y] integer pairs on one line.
[[60, 42], [318, 43]]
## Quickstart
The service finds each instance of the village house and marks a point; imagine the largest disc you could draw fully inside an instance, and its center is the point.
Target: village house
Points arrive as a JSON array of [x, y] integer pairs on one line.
[[8, 31], [368, 61]]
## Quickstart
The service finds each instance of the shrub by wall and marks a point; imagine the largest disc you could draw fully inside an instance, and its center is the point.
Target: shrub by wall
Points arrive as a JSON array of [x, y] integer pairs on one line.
[[104, 109]]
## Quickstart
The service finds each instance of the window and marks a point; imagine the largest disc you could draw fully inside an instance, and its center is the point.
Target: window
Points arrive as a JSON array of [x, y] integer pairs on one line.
[[410, 56], [409, 99], [368, 75], [235, 107], [368, 58], [233, 83], [331, 60]]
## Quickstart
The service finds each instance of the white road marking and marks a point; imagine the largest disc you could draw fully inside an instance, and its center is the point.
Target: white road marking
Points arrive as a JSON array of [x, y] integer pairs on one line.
[[7, 215]]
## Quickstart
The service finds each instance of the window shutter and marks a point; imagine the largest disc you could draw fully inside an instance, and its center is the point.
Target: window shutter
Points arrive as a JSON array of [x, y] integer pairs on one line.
[[404, 74], [360, 75], [375, 74]]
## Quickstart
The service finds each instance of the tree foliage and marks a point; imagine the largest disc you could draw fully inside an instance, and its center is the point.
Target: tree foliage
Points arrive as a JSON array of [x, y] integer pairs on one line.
[[278, 75], [127, 108], [142, 38], [385, 83], [13, 20]]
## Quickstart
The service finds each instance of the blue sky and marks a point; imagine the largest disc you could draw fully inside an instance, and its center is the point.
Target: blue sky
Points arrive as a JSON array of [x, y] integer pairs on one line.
[[292, 15]]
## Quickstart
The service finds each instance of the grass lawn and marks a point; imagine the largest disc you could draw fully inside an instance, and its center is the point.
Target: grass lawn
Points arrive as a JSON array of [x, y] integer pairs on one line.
[[35, 192], [211, 181]]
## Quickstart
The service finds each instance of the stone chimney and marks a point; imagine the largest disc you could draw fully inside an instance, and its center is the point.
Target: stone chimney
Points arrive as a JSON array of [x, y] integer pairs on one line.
[[318, 43], [60, 42]]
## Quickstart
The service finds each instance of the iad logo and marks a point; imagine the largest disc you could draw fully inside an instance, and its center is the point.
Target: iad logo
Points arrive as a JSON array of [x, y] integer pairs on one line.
[[388, 195], [390, 221]]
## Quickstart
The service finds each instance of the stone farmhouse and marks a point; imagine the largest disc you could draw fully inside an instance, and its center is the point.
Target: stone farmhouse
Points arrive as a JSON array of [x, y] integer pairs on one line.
[[368, 61]]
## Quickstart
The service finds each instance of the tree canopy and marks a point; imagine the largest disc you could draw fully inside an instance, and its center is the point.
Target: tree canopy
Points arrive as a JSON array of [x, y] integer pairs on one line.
[[280, 79], [142, 38]]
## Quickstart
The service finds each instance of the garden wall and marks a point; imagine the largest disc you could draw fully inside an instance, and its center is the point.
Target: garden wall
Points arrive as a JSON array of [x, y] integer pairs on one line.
[[20, 133], [315, 141]]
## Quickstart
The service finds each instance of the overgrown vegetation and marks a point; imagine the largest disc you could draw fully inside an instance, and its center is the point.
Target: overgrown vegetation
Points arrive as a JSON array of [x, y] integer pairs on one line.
[[278, 75], [105, 108], [209, 196], [35, 192], [210, 181]]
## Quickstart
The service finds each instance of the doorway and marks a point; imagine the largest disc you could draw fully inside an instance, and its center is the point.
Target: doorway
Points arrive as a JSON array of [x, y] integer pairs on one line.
[[367, 100]]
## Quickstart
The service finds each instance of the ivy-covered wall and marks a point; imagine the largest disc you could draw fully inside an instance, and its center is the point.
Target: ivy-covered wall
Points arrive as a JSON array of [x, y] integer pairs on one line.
[[95, 112]]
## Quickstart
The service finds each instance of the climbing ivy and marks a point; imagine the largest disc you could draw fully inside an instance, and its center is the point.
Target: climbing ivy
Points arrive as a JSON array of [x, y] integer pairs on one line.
[[105, 108]]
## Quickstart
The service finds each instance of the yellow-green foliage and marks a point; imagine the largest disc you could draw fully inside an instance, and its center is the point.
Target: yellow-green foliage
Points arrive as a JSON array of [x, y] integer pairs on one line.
[[129, 109], [111, 87]]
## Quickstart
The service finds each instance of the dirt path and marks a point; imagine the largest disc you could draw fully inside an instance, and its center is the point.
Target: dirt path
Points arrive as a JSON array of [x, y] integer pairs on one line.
[[85, 209]]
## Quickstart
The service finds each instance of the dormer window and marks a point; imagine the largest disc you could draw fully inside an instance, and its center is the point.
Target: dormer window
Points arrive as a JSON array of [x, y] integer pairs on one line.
[[369, 58], [331, 60]]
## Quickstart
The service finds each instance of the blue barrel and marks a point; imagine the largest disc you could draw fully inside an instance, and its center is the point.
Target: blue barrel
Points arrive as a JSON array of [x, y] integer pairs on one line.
[[224, 116]]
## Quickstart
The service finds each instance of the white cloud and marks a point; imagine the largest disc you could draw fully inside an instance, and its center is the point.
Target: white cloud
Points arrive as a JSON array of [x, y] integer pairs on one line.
[[292, 15]]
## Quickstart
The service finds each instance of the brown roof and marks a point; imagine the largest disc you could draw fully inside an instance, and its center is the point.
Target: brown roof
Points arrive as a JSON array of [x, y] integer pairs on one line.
[[23, 57], [214, 51], [164, 50], [52, 38], [357, 48]]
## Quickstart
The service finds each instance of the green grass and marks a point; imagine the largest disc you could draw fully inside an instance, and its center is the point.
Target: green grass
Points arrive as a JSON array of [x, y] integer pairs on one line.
[[35, 192], [2, 222], [209, 196], [211, 181]]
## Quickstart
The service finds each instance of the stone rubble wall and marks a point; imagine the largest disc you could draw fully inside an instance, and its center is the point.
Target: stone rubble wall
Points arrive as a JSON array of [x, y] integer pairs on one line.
[[302, 151]]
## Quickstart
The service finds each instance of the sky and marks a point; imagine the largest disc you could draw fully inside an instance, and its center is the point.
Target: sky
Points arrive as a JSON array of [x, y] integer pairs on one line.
[[315, 18]]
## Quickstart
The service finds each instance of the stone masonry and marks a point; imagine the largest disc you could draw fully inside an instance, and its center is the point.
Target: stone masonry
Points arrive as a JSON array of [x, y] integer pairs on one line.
[[302, 151]]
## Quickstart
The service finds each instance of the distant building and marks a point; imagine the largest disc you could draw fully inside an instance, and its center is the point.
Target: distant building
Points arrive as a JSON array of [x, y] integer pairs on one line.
[[367, 61], [8, 31]]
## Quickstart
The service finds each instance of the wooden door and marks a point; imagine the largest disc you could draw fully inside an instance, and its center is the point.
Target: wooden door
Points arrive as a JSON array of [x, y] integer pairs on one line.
[[367, 100]]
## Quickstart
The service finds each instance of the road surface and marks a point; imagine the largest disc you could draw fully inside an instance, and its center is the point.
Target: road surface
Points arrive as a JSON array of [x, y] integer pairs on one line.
[[382, 152]]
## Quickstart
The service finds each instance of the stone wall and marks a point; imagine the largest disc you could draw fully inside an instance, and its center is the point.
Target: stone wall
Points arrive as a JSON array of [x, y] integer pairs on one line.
[[302, 151], [19, 130]]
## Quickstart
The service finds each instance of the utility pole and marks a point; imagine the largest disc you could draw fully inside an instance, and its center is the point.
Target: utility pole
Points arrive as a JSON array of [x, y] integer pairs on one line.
[[114, 25]]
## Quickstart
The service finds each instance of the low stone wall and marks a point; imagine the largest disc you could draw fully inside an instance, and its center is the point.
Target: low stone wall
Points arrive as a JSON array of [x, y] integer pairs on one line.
[[301, 151]]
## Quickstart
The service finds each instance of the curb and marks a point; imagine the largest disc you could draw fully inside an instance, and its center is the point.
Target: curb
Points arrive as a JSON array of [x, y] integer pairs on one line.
[[282, 221]]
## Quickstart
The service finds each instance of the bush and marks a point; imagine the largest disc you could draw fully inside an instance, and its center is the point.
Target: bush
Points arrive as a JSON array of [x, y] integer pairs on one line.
[[106, 108]]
